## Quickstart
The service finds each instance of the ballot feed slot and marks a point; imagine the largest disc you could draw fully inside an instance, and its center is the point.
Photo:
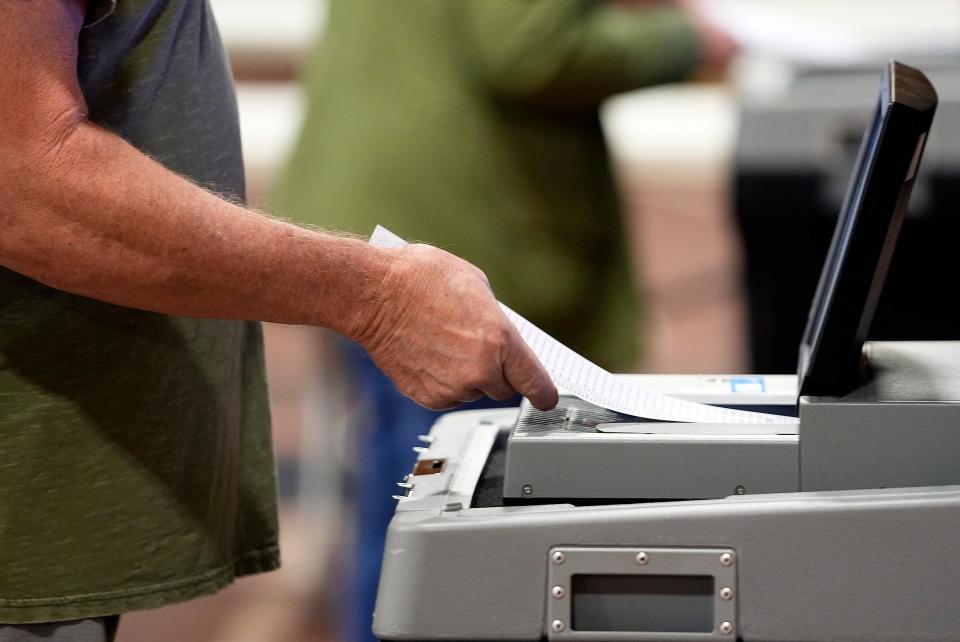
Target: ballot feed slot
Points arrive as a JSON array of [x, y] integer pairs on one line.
[[609, 457], [597, 593]]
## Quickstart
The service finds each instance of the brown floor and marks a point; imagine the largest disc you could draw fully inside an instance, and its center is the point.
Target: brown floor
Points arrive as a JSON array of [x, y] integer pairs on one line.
[[687, 259]]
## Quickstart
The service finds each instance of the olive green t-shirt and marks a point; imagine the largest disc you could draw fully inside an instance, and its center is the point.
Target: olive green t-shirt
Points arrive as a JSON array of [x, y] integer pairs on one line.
[[135, 459]]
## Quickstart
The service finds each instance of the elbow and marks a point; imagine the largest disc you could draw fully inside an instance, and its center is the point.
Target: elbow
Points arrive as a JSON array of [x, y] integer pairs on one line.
[[519, 89], [553, 79], [536, 88], [562, 96]]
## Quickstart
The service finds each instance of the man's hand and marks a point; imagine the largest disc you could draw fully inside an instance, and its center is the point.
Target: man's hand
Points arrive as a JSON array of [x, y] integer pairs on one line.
[[438, 332]]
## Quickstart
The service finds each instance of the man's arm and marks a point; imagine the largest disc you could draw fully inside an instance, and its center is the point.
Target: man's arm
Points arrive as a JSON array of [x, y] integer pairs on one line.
[[83, 211]]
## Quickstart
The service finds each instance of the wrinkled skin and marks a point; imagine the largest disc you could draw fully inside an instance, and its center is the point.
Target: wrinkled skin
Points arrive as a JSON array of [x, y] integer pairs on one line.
[[440, 334]]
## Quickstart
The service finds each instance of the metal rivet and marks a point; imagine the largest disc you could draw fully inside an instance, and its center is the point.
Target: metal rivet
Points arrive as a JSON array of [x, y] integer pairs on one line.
[[558, 626], [558, 593], [642, 558], [740, 490], [726, 628], [726, 559], [527, 489], [726, 593], [558, 557]]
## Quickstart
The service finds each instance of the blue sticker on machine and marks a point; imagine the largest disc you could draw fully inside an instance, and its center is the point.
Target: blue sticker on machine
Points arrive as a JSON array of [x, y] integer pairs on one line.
[[748, 384]]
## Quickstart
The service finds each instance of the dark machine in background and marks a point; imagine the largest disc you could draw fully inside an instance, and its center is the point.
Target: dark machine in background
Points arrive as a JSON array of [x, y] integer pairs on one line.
[[793, 162]]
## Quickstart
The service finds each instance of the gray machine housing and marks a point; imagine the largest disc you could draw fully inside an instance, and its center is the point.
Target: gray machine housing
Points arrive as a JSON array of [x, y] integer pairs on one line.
[[846, 559], [896, 430]]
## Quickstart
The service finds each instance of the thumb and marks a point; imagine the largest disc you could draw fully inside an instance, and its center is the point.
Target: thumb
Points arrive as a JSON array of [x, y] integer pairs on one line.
[[527, 375]]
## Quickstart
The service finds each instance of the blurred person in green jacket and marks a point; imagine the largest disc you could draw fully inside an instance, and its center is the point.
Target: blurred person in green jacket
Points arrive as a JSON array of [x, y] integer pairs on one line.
[[474, 125]]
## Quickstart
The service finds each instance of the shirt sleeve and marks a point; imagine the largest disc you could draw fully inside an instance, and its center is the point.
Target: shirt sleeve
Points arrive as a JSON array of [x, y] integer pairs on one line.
[[574, 53], [98, 11]]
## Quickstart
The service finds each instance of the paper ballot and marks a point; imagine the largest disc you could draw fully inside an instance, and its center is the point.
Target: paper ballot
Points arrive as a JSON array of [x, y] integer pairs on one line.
[[590, 382]]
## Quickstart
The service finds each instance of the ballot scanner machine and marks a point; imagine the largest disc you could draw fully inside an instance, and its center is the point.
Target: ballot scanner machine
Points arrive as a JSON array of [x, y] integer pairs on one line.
[[580, 523]]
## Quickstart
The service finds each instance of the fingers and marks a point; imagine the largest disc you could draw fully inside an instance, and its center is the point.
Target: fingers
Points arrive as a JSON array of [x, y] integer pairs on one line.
[[498, 387], [473, 395], [528, 377], [436, 404]]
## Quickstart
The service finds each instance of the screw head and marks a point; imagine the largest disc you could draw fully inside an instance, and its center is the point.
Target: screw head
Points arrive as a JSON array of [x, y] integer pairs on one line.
[[527, 489], [557, 626], [726, 593], [558, 592], [740, 490], [642, 558], [726, 628], [558, 557], [726, 559]]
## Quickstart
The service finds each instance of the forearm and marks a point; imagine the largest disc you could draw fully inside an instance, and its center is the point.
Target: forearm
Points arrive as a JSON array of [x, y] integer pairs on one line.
[[83, 211], [93, 216]]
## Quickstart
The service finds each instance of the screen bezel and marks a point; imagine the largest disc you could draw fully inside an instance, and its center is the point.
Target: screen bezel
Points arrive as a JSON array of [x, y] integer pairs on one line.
[[866, 234]]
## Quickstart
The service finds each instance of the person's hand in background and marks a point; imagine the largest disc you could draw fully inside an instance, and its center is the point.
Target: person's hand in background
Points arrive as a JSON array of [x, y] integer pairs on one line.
[[716, 46], [438, 332]]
